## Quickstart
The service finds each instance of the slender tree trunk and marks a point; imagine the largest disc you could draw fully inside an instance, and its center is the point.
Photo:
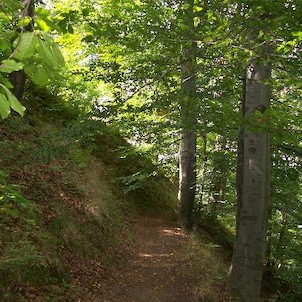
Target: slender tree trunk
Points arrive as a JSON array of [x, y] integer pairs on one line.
[[18, 78], [188, 111], [254, 190], [203, 171], [219, 175]]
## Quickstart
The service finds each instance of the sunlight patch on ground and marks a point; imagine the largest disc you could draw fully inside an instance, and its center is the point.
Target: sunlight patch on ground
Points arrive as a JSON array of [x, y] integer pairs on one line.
[[174, 232], [155, 255]]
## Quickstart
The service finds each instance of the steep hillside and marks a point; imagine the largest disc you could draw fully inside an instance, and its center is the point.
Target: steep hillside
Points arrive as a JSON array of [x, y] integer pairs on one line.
[[69, 195]]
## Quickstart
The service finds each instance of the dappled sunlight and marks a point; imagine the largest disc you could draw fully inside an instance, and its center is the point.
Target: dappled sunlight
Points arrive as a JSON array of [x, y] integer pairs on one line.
[[155, 255], [173, 232]]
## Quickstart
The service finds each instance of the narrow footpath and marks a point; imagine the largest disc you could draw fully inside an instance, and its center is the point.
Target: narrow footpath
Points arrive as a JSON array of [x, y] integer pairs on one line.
[[156, 270]]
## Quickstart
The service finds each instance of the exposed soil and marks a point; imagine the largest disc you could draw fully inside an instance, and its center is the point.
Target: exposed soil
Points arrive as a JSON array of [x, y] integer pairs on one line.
[[155, 270]]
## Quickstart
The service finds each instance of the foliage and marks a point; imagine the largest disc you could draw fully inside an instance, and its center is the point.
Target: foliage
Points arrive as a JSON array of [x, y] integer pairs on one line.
[[125, 58], [210, 264], [22, 259], [75, 213], [122, 68], [26, 45]]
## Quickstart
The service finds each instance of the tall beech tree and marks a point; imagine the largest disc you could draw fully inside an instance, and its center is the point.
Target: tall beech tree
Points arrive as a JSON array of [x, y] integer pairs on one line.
[[254, 187], [253, 168], [266, 28], [188, 116]]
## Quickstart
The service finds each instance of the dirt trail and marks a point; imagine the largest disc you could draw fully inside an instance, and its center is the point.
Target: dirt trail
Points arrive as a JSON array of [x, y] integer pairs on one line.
[[156, 270]]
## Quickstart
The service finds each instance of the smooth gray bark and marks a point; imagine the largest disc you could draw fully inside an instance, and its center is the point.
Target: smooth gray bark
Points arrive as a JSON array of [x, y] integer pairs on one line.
[[253, 189], [188, 111]]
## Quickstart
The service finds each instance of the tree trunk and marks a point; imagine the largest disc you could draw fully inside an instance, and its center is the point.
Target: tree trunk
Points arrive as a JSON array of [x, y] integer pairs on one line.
[[187, 176], [188, 111], [203, 170], [219, 175], [254, 190], [18, 78]]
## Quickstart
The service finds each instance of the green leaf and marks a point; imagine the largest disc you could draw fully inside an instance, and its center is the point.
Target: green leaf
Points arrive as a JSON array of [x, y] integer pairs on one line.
[[50, 53], [40, 76], [5, 43], [25, 21], [44, 21], [4, 106], [13, 101], [40, 11], [298, 34], [45, 53], [4, 81], [41, 24], [197, 9], [15, 104], [55, 50], [12, 4], [25, 46], [9, 66]]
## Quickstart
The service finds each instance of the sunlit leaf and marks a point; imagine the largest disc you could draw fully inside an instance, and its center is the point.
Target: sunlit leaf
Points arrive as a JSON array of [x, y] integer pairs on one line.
[[24, 21], [12, 4], [4, 106], [40, 75], [41, 24], [44, 49], [25, 46], [40, 11], [13, 101], [9, 66]]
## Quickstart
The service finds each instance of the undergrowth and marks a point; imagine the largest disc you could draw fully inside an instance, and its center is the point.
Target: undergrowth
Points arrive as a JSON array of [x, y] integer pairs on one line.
[[211, 265], [66, 201], [27, 250]]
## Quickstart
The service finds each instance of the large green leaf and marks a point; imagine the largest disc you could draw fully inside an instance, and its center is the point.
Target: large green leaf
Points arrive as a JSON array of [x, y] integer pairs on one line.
[[49, 49], [25, 46], [15, 104], [13, 101], [55, 50], [45, 53], [12, 4], [41, 24], [40, 75], [41, 11], [9, 66], [4, 106], [44, 19], [5, 42], [5, 81]]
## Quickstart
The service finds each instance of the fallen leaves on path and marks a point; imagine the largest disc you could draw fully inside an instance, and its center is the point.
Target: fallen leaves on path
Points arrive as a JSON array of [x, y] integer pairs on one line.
[[155, 270]]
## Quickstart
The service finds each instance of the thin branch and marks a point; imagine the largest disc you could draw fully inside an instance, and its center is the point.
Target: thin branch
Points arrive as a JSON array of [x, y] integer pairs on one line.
[[26, 4], [27, 13], [296, 150], [139, 89]]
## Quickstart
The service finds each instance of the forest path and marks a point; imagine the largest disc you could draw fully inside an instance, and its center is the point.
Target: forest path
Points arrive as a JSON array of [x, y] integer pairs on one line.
[[156, 270]]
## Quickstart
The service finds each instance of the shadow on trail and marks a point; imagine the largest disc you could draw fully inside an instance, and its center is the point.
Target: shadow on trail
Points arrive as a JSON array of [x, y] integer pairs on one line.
[[157, 270]]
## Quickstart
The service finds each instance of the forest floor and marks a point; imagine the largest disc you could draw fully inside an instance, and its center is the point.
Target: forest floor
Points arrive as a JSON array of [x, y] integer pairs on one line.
[[154, 270], [80, 238]]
